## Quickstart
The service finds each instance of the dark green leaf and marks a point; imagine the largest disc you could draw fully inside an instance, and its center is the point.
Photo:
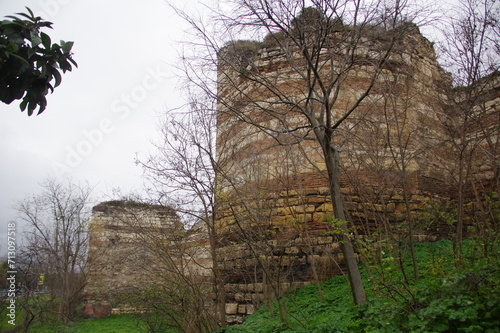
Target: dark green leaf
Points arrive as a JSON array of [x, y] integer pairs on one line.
[[32, 61], [35, 39], [23, 104], [73, 62], [43, 105], [30, 11], [45, 24], [66, 46], [57, 77], [12, 48], [65, 66], [20, 58], [45, 40], [31, 18], [31, 107]]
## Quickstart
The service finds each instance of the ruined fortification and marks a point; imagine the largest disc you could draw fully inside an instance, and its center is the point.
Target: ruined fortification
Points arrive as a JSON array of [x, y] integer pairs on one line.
[[397, 160], [274, 213], [131, 245], [118, 258]]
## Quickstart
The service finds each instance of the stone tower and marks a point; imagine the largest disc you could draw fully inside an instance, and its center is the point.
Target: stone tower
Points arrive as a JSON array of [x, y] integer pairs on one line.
[[119, 260], [274, 212]]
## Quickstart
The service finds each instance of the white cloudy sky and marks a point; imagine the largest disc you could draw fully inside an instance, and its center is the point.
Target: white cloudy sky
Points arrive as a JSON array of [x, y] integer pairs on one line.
[[105, 111]]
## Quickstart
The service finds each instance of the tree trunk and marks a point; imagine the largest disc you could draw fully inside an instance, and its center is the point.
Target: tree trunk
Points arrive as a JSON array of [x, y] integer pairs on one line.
[[332, 163], [411, 223], [219, 290], [457, 244]]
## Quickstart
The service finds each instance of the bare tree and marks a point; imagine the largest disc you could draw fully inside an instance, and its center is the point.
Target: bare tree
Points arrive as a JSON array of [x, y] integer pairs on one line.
[[470, 51], [314, 71], [57, 240], [384, 147], [182, 175]]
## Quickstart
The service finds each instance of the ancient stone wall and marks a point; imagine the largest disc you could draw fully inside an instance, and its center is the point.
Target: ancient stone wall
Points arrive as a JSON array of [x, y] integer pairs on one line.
[[133, 245], [118, 258], [477, 109], [274, 210]]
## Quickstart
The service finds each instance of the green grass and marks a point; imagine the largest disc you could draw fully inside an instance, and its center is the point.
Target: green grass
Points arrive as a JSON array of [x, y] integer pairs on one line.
[[444, 299], [305, 311], [125, 323]]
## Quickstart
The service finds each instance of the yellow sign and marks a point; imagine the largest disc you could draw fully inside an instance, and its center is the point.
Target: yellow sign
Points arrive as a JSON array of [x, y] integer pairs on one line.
[[41, 279]]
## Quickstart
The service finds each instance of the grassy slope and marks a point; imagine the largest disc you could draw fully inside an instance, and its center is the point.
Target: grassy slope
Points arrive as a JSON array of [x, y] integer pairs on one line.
[[442, 300]]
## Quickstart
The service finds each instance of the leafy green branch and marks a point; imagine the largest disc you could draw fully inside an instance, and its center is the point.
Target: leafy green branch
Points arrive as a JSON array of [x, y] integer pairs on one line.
[[30, 63]]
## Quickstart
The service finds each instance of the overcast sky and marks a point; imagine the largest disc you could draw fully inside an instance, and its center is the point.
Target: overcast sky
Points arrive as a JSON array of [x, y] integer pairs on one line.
[[105, 111]]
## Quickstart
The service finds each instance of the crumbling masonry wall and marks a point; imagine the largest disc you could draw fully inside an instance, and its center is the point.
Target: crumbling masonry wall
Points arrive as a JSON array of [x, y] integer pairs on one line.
[[274, 200], [124, 255]]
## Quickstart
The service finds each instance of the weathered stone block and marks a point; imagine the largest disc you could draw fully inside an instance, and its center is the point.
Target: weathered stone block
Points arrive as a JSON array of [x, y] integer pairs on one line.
[[318, 249], [325, 240], [316, 199], [419, 198], [257, 298], [318, 217], [259, 287], [239, 297], [279, 218], [292, 250], [397, 198], [231, 308], [419, 206], [326, 207], [299, 241], [305, 208], [313, 258]]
